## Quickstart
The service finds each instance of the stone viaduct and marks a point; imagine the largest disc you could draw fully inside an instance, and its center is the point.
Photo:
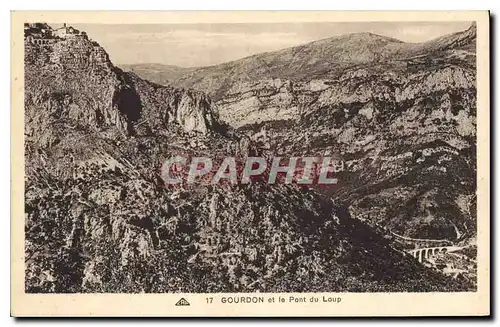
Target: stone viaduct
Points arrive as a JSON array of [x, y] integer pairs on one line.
[[423, 254]]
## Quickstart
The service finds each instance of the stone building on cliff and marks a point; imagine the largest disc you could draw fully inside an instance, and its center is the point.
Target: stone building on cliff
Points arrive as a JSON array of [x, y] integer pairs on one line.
[[67, 32], [43, 34]]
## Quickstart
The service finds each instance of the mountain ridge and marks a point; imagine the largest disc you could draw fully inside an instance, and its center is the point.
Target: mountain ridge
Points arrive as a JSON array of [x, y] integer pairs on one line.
[[334, 54]]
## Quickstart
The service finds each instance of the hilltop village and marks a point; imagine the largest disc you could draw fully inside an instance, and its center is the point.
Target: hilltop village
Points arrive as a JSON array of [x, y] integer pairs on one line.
[[43, 34], [43, 44]]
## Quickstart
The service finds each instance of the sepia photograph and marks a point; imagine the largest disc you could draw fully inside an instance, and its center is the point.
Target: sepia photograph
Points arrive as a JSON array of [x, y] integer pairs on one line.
[[243, 159]]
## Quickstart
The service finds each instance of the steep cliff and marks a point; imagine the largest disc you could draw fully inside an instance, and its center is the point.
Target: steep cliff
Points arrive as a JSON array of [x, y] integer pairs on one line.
[[72, 81], [100, 219]]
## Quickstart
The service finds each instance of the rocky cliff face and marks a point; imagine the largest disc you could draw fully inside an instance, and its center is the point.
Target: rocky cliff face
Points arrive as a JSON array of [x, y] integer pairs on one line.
[[402, 116], [90, 152], [73, 80], [100, 219]]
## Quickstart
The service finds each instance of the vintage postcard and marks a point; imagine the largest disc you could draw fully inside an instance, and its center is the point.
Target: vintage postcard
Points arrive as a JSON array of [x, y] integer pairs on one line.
[[250, 164]]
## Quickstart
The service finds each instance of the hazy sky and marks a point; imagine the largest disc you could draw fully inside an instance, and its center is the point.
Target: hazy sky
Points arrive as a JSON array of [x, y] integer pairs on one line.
[[190, 45]]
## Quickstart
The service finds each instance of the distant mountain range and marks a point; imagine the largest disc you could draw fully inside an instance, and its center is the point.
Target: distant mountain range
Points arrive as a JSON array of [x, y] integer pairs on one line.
[[158, 73], [325, 58]]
